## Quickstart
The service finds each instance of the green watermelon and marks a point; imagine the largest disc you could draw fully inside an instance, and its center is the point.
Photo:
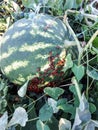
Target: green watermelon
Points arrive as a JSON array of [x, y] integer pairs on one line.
[[27, 45]]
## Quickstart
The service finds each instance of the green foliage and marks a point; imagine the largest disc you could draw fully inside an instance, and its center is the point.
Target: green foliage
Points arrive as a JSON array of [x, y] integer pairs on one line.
[[41, 126], [78, 71], [28, 3], [68, 63], [45, 112], [73, 97], [67, 108], [95, 42], [19, 117], [31, 115], [22, 91], [82, 118], [93, 74], [56, 7], [73, 90], [64, 124], [3, 95], [69, 4], [54, 92], [76, 99], [92, 108]]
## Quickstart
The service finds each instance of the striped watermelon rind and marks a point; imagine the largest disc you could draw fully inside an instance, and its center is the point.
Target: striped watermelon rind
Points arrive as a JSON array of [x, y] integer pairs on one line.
[[26, 46]]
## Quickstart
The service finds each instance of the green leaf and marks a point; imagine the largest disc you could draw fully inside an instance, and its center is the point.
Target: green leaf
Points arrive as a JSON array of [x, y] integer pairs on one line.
[[45, 112], [94, 50], [78, 71], [41, 126], [73, 89], [91, 125], [79, 1], [92, 107], [68, 63], [22, 91], [61, 101], [12, 128], [95, 42], [28, 3], [20, 117], [93, 74], [64, 124], [68, 108], [53, 123], [2, 85], [53, 104], [15, 6], [54, 92], [3, 95], [31, 115], [3, 104], [69, 4], [83, 114], [3, 121]]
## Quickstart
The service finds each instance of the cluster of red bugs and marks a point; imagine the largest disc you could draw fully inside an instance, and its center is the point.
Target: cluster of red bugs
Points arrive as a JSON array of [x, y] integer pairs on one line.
[[48, 78]]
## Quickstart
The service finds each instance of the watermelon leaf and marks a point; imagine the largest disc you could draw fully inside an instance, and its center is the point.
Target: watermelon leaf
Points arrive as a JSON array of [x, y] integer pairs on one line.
[[20, 117], [45, 112], [92, 107], [68, 108], [69, 4], [41, 126], [73, 89], [28, 3], [53, 104], [78, 71], [68, 63], [78, 1], [54, 92], [83, 114], [64, 124], [3, 121], [93, 74], [22, 91]]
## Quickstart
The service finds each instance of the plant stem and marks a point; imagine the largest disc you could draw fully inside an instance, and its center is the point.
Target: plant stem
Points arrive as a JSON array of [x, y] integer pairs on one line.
[[90, 59], [90, 16], [80, 49], [87, 78], [91, 83], [36, 100], [33, 119], [74, 81], [90, 41], [75, 38], [66, 85]]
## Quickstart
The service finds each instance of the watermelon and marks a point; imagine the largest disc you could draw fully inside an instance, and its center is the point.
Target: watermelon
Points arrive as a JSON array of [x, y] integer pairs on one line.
[[28, 44]]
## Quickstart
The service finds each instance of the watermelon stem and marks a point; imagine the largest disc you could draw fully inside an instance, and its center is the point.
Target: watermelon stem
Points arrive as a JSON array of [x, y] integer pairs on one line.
[[80, 50]]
